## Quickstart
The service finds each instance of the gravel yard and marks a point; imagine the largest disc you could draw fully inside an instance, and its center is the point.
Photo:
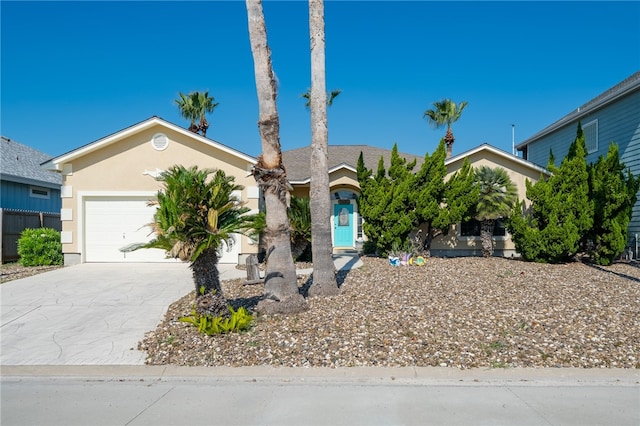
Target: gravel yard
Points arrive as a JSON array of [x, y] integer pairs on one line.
[[15, 271], [460, 312]]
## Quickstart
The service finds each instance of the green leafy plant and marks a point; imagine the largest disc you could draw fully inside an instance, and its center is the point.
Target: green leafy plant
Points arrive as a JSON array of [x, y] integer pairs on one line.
[[40, 247], [238, 320]]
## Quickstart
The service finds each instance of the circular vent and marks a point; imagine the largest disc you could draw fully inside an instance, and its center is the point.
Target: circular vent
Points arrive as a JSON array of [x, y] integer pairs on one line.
[[160, 142]]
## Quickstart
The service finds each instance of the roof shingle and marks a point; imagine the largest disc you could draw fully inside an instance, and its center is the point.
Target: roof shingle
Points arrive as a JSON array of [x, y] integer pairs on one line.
[[22, 163], [296, 161]]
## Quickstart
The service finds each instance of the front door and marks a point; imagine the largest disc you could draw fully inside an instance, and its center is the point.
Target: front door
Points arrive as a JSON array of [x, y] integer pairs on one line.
[[343, 225]]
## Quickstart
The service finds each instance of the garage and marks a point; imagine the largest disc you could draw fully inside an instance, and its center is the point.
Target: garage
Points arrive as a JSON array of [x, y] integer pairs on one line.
[[113, 224]]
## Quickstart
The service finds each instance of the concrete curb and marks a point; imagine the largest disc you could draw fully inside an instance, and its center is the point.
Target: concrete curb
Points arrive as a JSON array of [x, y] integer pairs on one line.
[[361, 375]]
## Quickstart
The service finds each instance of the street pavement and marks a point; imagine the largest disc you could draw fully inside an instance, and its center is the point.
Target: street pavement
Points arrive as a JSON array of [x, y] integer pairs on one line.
[[68, 357]]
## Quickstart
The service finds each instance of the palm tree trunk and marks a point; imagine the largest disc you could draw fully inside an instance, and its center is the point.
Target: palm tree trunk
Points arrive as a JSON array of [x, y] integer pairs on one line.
[[324, 276], [448, 140], [486, 235], [281, 284], [210, 298]]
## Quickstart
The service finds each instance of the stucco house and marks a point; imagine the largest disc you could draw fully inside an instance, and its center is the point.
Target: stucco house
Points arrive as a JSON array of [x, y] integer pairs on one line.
[[343, 182], [29, 195], [612, 116], [107, 184], [462, 239]]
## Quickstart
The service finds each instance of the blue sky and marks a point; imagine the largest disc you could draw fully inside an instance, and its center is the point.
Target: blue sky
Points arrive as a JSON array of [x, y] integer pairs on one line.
[[74, 72]]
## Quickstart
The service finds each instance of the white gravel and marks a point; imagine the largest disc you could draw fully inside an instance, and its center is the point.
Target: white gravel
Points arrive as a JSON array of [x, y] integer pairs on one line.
[[454, 312]]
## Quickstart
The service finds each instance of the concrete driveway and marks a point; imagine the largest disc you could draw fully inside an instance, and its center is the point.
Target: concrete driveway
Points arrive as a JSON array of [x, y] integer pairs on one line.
[[96, 313], [89, 314]]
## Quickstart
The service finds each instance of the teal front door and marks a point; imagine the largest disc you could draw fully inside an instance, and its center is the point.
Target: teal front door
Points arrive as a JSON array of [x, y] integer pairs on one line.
[[343, 225]]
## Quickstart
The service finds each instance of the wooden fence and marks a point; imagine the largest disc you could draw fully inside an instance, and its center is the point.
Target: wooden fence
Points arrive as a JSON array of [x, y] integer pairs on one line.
[[13, 222]]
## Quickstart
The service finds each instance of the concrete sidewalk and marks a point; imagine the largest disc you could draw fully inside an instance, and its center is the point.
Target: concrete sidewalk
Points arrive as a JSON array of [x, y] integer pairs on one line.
[[169, 395]]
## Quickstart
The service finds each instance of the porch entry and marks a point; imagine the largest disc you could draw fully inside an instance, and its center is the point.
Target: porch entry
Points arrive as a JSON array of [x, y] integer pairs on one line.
[[343, 225]]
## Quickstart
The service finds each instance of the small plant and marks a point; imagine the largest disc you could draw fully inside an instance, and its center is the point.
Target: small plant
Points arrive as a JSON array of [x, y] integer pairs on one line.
[[40, 247], [237, 321]]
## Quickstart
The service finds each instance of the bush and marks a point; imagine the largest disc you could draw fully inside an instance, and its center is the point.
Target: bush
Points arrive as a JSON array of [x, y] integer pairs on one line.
[[40, 247], [369, 248]]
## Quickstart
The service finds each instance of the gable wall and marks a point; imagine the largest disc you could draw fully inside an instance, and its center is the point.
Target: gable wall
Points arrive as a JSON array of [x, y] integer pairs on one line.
[[119, 169], [344, 179], [453, 244]]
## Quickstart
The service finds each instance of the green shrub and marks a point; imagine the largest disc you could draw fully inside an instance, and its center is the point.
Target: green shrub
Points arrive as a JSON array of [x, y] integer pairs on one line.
[[207, 324], [369, 248], [40, 247]]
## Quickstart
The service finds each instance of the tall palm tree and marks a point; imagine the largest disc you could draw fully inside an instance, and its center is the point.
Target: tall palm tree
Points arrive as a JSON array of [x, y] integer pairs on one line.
[[206, 104], [196, 214], [445, 112], [194, 107], [497, 196], [330, 97], [187, 110], [281, 285], [324, 275]]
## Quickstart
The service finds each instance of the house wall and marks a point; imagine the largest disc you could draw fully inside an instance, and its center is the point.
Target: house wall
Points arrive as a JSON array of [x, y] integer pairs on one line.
[[344, 179], [119, 169], [453, 244], [18, 196], [618, 122]]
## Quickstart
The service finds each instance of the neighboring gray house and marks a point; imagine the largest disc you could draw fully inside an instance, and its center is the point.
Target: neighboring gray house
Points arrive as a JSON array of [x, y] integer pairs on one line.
[[29, 195], [613, 116]]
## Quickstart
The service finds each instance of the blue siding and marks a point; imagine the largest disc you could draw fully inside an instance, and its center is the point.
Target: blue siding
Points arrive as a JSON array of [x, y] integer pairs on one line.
[[17, 196], [618, 122]]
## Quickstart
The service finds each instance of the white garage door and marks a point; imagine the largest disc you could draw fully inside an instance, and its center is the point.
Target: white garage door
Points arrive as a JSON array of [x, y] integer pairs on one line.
[[112, 224]]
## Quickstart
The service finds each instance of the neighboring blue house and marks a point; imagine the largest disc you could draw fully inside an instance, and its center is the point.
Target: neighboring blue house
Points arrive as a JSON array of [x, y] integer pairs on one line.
[[613, 116], [29, 194]]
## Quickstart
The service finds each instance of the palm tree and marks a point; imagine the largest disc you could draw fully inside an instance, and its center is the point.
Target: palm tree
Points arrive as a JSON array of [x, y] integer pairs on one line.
[[187, 110], [497, 196], [281, 284], [330, 97], [194, 107], [300, 219], [445, 112], [196, 214], [324, 276]]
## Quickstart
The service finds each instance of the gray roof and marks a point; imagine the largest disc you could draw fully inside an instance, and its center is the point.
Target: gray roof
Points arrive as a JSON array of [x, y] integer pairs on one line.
[[625, 87], [21, 164], [296, 161]]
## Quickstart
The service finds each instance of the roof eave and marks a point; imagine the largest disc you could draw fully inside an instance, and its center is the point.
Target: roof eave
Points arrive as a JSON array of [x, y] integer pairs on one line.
[[55, 164], [497, 151], [580, 113], [29, 181]]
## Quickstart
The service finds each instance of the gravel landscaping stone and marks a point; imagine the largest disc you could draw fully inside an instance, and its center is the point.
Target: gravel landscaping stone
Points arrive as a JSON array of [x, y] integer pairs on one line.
[[454, 312]]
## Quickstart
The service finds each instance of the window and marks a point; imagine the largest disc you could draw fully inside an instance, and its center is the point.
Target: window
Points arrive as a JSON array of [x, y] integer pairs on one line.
[[590, 131], [472, 229], [37, 192]]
